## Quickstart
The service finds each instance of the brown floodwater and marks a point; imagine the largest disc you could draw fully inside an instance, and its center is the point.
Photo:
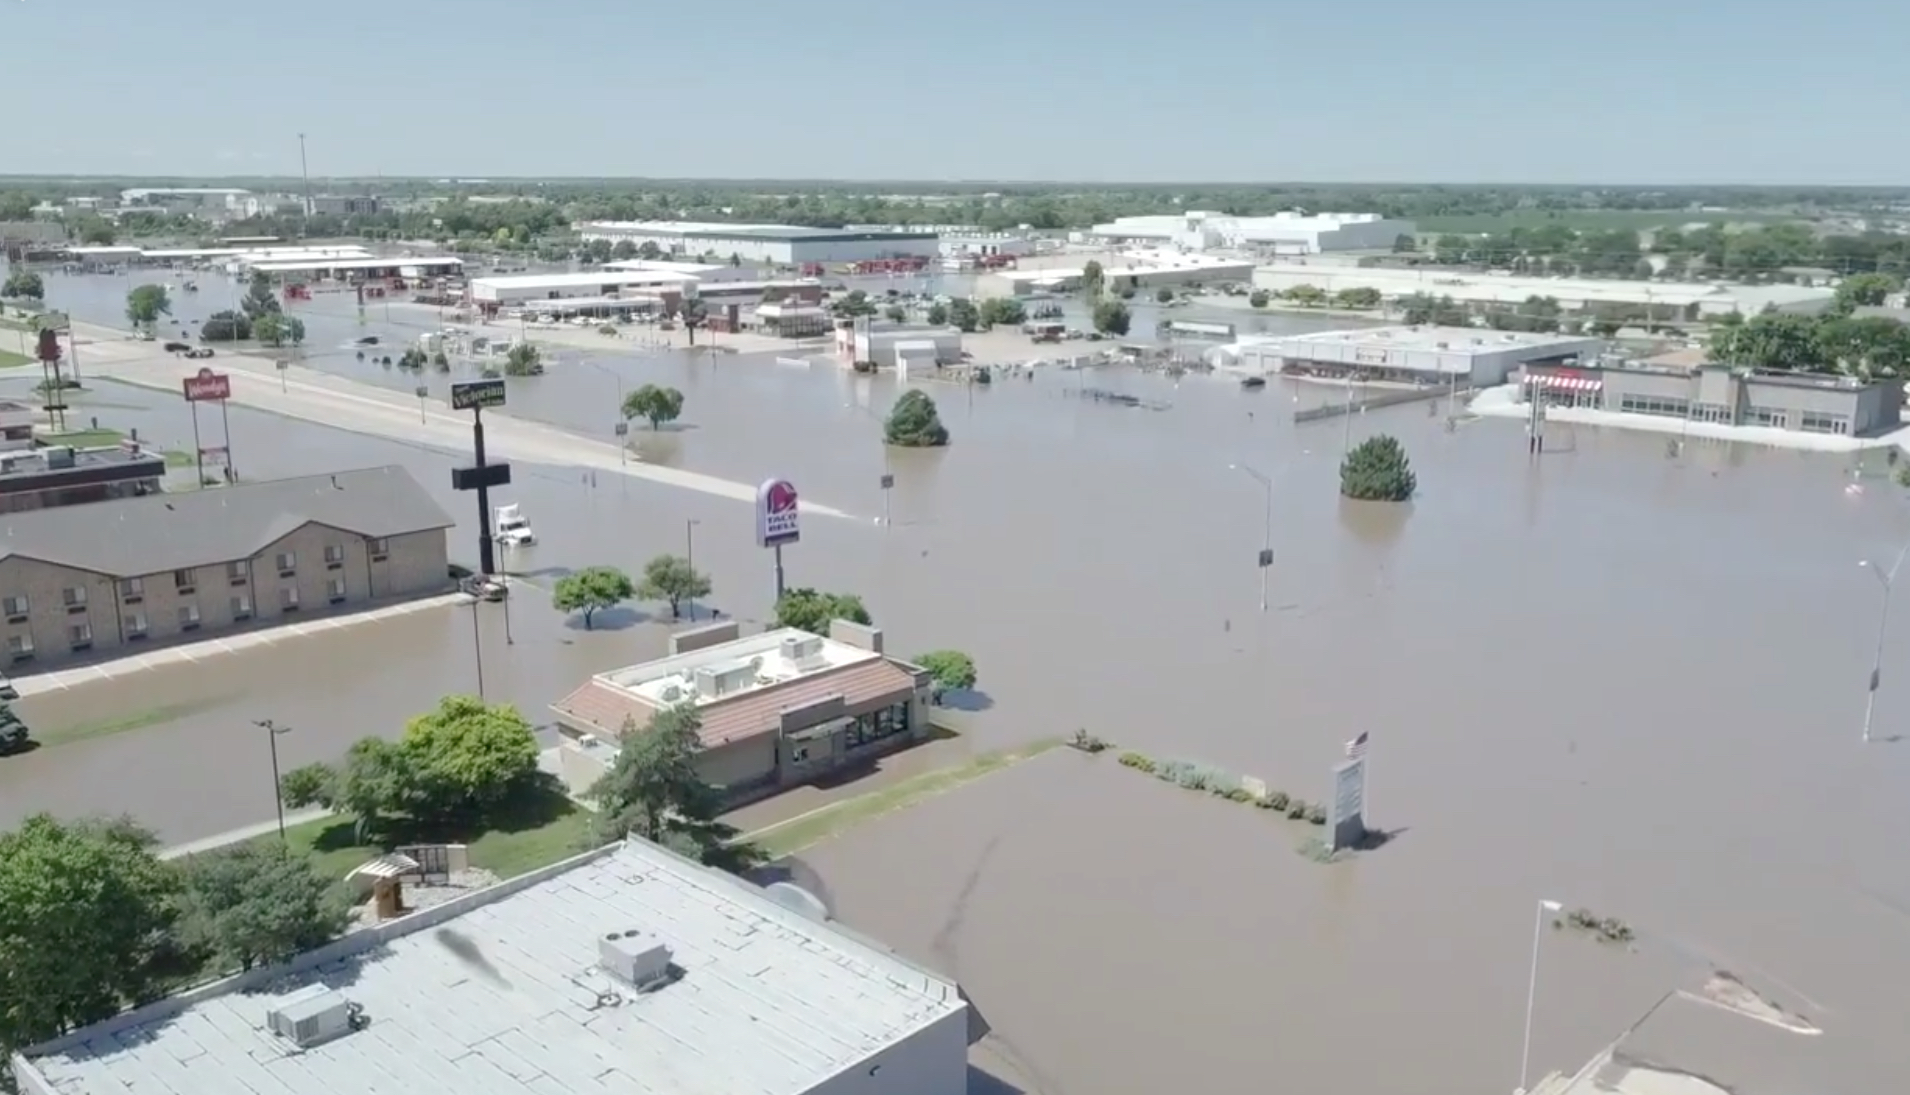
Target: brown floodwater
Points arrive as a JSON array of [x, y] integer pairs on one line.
[[1611, 676]]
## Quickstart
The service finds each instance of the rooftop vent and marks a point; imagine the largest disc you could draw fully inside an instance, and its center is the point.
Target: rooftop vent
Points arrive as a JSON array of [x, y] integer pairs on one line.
[[802, 651], [714, 681], [314, 1015], [634, 957], [59, 456]]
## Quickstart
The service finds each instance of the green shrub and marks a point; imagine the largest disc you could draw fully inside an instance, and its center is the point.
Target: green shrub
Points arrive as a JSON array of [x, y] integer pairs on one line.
[[1239, 794], [1296, 808], [1278, 800], [1138, 761], [1316, 814], [1377, 471]]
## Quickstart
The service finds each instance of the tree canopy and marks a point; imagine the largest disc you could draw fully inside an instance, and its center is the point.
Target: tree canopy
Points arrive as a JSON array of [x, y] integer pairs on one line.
[[1111, 317], [145, 304], [591, 590], [953, 670], [811, 609], [1377, 470], [1862, 346], [671, 578], [656, 790], [914, 422], [523, 359], [277, 329], [1002, 312], [256, 902], [656, 403], [964, 315], [24, 285]]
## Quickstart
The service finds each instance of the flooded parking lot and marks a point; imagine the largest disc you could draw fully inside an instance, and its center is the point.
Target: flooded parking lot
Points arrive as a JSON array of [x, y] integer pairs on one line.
[[1613, 676]]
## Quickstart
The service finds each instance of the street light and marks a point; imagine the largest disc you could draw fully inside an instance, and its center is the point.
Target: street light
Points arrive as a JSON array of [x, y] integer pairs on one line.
[[622, 429], [689, 556], [272, 732], [1887, 579], [1266, 544], [888, 474], [1532, 988]]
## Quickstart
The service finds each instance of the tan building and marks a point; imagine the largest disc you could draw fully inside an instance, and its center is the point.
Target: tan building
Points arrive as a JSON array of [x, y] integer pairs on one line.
[[779, 709], [95, 578]]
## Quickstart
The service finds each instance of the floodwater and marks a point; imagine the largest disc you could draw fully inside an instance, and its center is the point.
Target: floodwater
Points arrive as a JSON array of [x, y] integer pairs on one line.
[[1612, 676]]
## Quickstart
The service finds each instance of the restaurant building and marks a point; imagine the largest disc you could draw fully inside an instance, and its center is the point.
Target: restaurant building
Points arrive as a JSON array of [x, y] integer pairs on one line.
[[1724, 395]]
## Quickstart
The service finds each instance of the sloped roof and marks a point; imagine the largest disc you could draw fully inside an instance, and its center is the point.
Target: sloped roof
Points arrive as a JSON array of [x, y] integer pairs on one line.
[[134, 537]]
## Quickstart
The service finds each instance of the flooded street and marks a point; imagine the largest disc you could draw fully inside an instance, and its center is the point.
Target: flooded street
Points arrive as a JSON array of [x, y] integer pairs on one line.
[[1609, 676]]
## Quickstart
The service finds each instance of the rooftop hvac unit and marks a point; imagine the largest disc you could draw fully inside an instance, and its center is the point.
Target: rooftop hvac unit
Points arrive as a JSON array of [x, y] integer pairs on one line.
[[713, 681], [59, 456], [313, 1015], [802, 651], [634, 957]]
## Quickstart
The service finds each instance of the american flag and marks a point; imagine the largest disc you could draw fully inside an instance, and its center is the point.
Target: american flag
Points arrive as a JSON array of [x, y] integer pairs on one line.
[[1356, 748]]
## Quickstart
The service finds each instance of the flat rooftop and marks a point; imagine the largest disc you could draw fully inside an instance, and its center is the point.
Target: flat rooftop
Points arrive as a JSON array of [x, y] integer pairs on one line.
[[672, 680], [32, 463], [1167, 264], [1442, 340], [355, 263], [534, 282], [499, 993], [721, 231]]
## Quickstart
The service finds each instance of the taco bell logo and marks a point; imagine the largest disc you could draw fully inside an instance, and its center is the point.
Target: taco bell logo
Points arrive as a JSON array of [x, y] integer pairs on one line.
[[777, 522]]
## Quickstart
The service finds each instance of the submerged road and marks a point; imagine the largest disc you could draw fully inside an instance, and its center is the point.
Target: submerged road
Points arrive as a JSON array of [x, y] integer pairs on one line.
[[313, 396]]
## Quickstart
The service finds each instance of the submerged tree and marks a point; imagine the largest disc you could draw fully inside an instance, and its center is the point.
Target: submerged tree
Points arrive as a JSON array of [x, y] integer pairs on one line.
[[1377, 470], [914, 423]]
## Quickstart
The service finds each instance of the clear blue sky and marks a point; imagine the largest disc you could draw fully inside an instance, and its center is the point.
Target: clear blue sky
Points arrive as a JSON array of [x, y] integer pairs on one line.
[[1749, 91]]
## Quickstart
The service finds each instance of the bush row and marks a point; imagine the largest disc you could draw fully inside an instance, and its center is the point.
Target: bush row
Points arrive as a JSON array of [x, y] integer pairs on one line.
[[1199, 777], [1606, 929]]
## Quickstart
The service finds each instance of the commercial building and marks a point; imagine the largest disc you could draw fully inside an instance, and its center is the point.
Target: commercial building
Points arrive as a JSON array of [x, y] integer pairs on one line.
[[779, 709], [1724, 395], [512, 290], [1140, 270], [702, 271], [136, 571], [288, 253], [362, 269], [624, 971], [184, 199], [341, 205], [899, 346], [1414, 355], [104, 256], [781, 244], [60, 475], [1281, 234], [1693, 300]]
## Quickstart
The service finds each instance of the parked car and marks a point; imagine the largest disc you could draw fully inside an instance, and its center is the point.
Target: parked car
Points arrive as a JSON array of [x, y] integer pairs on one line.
[[177, 347], [199, 351]]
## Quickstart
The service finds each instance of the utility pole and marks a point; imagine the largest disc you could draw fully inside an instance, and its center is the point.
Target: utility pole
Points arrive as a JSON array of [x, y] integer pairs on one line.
[[272, 732], [305, 220]]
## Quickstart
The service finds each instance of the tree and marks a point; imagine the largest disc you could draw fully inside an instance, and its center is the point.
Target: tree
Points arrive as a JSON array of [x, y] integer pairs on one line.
[[225, 327], [24, 284], [1377, 470], [1111, 317], [145, 304], [656, 790], [466, 756], [1164, 295], [963, 314], [592, 590], [86, 915], [259, 299], [13, 731], [256, 902], [1002, 312], [441, 362], [655, 403], [913, 422], [1404, 244], [894, 314], [277, 329], [811, 610], [1258, 298], [522, 360], [937, 315], [1307, 296], [1093, 279], [623, 250], [1865, 290], [671, 578], [1361, 297], [412, 358], [952, 670], [1776, 340], [94, 230], [692, 313]]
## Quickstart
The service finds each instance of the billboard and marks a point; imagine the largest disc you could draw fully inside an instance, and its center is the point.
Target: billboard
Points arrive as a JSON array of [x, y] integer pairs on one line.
[[207, 385], [477, 394], [1346, 812], [776, 514]]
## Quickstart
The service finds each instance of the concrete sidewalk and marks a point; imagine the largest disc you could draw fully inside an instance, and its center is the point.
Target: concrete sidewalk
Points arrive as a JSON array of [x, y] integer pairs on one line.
[[248, 832]]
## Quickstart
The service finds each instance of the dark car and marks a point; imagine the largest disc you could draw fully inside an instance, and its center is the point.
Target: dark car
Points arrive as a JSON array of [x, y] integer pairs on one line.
[[201, 351], [178, 347]]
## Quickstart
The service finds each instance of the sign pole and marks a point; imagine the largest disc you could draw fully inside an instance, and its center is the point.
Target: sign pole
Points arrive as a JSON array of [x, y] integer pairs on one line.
[[474, 396], [779, 572], [225, 420], [198, 447]]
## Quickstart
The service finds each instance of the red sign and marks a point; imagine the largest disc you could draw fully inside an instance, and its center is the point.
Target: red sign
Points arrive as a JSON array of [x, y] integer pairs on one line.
[[49, 346], [208, 385]]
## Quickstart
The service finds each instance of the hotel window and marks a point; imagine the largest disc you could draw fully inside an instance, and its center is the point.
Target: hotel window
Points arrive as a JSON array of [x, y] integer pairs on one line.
[[334, 556], [132, 589], [20, 646], [74, 596], [241, 608], [184, 580], [1765, 416], [80, 636], [288, 599], [188, 617], [380, 548], [16, 606], [136, 625], [1813, 422], [335, 590], [1659, 405], [287, 562], [240, 572]]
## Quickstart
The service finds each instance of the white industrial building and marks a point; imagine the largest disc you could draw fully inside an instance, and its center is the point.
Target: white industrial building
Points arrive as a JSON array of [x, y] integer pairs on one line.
[[625, 971], [350, 269], [1280, 234], [903, 347], [529, 288], [1415, 355], [1138, 270], [701, 271], [185, 198], [1697, 299], [985, 244], [781, 244]]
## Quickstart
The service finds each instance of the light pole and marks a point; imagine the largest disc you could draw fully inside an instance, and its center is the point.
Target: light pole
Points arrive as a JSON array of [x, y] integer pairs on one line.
[[1266, 543], [888, 472], [689, 556], [272, 732], [477, 645], [1887, 579], [1532, 988], [622, 429]]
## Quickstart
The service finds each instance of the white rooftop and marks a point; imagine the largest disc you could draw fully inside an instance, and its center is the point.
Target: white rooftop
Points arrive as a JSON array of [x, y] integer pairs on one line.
[[355, 262], [500, 993], [1448, 340], [1153, 262], [565, 281], [729, 669], [666, 265]]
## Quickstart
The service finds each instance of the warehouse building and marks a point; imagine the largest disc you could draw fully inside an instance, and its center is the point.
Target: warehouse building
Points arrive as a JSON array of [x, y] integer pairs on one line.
[[778, 709], [779, 244], [629, 970], [517, 289], [1802, 402], [361, 269], [1412, 355], [1281, 234], [1142, 270], [702, 271], [1693, 300]]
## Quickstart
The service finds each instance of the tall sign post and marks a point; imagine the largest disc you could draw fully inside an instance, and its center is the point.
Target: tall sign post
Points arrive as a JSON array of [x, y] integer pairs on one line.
[[47, 349], [474, 396], [203, 387], [777, 522]]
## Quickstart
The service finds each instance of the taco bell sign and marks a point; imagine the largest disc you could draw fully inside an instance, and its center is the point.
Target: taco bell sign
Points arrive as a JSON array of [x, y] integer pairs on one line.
[[776, 520]]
